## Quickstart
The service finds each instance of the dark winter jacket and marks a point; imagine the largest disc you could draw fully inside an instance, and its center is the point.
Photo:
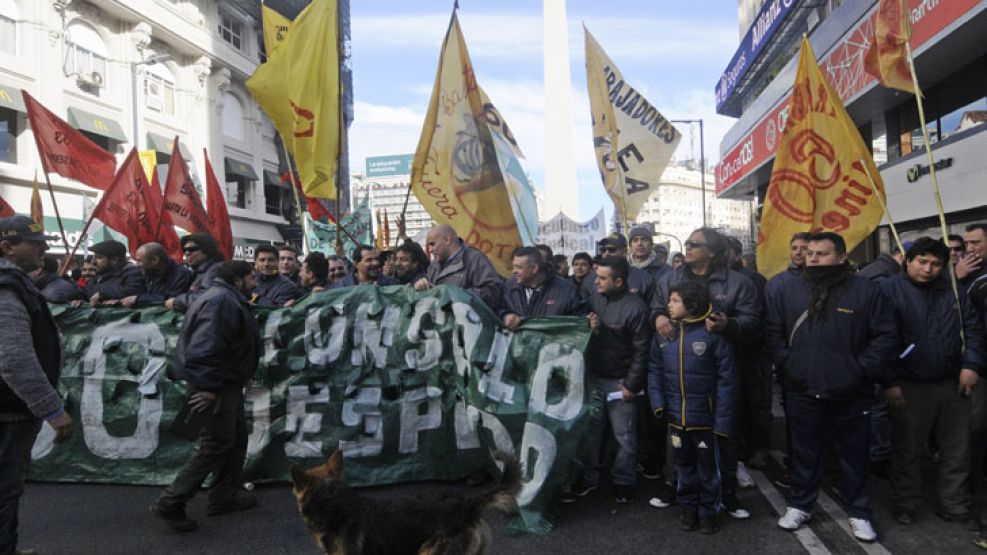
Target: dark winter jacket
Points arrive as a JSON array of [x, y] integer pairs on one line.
[[620, 345], [58, 290], [839, 353], [219, 342], [174, 281], [778, 280], [556, 296], [882, 268], [123, 282], [202, 278], [350, 280], [274, 291], [730, 292], [691, 378], [411, 278], [471, 270], [927, 318], [30, 349], [654, 268], [639, 283]]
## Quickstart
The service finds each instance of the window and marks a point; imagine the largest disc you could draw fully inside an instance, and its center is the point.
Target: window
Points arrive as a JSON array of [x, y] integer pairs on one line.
[[159, 89], [272, 199], [237, 191], [85, 56], [231, 30], [232, 117], [8, 26], [8, 136]]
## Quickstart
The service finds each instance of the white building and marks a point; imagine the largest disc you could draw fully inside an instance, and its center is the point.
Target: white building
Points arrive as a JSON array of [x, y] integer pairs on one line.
[[190, 59], [386, 180], [675, 209]]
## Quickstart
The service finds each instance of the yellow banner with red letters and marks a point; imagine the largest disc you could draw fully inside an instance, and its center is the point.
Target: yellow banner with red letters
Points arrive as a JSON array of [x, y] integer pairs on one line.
[[887, 56], [824, 177]]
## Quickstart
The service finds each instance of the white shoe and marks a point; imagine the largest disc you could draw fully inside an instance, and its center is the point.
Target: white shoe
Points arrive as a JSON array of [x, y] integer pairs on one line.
[[863, 530], [793, 519], [744, 479], [659, 503]]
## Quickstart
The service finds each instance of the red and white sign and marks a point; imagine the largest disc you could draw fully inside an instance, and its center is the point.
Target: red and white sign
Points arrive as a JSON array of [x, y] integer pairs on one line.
[[844, 67]]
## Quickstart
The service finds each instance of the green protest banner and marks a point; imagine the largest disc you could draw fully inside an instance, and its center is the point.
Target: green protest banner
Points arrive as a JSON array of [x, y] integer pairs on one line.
[[410, 386], [322, 237]]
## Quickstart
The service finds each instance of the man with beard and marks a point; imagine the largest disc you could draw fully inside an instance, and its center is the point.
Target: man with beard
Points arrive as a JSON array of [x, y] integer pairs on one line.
[[115, 277], [410, 263], [273, 289], [337, 269], [203, 257], [833, 336], [163, 279], [366, 269]]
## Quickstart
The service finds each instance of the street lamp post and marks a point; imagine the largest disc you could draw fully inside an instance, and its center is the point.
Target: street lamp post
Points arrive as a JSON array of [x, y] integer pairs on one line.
[[702, 159], [677, 240], [133, 87]]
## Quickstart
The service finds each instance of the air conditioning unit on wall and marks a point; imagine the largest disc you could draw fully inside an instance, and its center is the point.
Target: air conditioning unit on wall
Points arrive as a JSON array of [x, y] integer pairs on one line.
[[155, 98], [90, 79]]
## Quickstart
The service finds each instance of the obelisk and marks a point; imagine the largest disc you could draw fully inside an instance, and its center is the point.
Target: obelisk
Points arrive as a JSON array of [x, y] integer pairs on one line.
[[561, 191]]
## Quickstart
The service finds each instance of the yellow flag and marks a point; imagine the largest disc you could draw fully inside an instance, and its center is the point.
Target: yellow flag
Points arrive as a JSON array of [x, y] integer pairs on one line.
[[149, 161], [275, 27], [37, 210], [633, 141], [820, 177], [457, 171], [298, 88], [887, 56]]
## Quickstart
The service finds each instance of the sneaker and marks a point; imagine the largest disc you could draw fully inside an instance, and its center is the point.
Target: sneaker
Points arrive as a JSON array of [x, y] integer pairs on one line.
[[709, 525], [689, 520], [242, 502], [793, 519], [902, 516], [176, 520], [625, 495], [862, 530], [664, 497], [579, 488], [744, 479], [734, 507]]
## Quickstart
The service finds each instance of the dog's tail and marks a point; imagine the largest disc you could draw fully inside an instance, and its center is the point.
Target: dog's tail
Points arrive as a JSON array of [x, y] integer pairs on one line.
[[503, 496]]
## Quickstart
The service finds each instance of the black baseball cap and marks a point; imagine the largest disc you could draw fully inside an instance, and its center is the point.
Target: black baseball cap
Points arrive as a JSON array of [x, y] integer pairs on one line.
[[22, 228], [613, 240]]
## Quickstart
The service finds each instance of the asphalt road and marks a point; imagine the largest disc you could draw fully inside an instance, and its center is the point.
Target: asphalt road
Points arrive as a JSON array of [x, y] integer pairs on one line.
[[98, 519]]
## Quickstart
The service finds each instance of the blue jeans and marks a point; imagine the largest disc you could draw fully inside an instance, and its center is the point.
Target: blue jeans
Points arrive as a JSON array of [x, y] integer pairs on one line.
[[621, 422], [849, 420], [16, 440]]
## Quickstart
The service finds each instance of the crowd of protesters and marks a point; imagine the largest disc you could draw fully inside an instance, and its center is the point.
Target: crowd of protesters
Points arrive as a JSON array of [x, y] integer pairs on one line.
[[687, 355]]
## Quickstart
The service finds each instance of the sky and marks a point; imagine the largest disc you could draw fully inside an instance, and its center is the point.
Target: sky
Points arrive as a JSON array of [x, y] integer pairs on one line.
[[673, 52]]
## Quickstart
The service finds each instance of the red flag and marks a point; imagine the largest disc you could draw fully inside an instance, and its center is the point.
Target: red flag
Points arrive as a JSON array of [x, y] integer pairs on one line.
[[128, 205], [887, 56], [316, 209], [222, 230], [6, 210], [181, 200], [66, 151], [166, 235]]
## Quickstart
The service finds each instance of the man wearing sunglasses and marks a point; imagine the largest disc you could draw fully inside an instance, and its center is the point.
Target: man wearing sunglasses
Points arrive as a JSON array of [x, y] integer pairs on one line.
[[203, 257], [639, 282]]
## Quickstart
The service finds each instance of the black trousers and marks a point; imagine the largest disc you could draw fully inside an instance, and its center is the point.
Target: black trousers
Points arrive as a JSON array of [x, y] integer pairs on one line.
[[221, 450], [698, 473]]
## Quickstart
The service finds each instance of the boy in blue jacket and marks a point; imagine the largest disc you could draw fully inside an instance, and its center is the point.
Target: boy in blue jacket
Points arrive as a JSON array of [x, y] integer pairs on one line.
[[691, 386]]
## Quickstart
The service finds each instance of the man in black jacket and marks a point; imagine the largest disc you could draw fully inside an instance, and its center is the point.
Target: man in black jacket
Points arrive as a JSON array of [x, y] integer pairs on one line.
[[644, 255], [273, 289], [163, 279], [54, 287], [639, 282], [458, 264], [217, 353], [618, 360], [289, 265], [115, 277], [314, 275], [366, 269], [203, 257], [532, 291], [833, 336], [933, 380], [410, 263]]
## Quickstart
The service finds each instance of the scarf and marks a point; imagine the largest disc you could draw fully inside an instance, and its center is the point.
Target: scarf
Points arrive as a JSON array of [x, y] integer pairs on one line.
[[824, 279], [642, 265]]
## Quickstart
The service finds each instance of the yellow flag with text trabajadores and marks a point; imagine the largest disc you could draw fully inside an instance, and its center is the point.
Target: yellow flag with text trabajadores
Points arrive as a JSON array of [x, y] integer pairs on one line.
[[298, 88], [822, 175]]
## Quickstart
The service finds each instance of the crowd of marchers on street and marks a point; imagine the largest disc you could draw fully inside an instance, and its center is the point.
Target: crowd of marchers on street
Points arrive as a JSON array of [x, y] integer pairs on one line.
[[877, 367]]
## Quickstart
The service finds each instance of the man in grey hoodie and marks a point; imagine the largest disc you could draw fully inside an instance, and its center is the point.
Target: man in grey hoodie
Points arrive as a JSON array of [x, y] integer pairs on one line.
[[30, 365]]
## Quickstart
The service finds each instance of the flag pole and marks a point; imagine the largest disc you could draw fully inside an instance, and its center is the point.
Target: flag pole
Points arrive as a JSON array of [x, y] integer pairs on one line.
[[884, 206], [58, 216], [82, 237], [298, 200], [935, 181]]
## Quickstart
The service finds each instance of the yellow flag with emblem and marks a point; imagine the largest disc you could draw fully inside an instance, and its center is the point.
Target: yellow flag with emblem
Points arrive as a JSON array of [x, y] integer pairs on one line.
[[298, 88], [633, 141], [824, 178], [466, 171], [275, 27]]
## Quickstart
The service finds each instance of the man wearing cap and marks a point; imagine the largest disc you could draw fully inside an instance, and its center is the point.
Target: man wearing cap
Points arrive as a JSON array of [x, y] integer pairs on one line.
[[639, 282], [203, 257], [30, 366], [115, 277], [645, 255]]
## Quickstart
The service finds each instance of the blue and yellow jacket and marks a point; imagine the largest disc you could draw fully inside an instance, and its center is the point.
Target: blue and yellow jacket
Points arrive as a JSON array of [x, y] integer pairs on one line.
[[691, 378]]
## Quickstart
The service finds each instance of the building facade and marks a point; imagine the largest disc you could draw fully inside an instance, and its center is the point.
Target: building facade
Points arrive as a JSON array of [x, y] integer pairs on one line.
[[139, 73], [386, 181], [951, 61], [675, 209]]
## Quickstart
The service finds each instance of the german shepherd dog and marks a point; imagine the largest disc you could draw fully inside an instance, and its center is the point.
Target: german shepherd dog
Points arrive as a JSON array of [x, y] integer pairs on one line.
[[449, 523]]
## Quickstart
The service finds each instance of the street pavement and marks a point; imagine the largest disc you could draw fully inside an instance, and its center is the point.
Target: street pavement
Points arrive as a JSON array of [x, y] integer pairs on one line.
[[88, 519]]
